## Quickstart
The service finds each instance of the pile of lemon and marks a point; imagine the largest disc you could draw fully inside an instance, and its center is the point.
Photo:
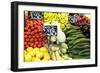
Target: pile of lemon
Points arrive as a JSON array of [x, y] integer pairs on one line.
[[36, 54]]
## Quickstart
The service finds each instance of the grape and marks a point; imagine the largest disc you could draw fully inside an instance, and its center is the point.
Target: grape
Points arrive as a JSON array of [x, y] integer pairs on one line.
[[62, 18]]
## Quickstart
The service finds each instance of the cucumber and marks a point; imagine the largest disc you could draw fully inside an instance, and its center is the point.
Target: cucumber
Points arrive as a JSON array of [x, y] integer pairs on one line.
[[81, 57], [74, 53], [82, 47], [79, 36], [84, 51], [85, 54], [79, 45], [73, 37], [75, 27], [71, 31], [79, 41]]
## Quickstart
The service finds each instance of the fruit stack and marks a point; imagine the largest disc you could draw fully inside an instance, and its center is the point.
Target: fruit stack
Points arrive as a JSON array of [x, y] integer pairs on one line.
[[34, 37], [33, 34], [36, 54]]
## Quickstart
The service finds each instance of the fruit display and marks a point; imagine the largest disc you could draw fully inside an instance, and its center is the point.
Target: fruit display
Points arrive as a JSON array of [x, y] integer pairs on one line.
[[33, 34], [54, 36], [36, 54], [60, 17], [79, 19]]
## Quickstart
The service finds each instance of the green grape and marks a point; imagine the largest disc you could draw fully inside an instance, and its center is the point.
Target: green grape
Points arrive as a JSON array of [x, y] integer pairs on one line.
[[62, 18]]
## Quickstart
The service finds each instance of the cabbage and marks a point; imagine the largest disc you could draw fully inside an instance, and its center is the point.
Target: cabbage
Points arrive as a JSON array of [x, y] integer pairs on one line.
[[61, 36]]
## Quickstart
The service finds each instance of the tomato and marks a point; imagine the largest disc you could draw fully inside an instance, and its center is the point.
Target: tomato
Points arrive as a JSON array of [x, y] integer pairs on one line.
[[35, 40], [32, 33], [32, 28], [27, 46], [39, 45], [33, 36], [34, 46], [29, 30], [25, 43], [27, 39], [34, 22], [25, 36], [31, 22], [27, 33], [31, 44], [29, 36], [26, 28], [31, 40], [35, 31], [40, 39]]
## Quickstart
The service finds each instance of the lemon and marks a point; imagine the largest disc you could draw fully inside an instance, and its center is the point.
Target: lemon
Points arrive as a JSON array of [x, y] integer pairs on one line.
[[43, 49], [29, 49], [33, 58], [32, 53], [27, 58], [25, 52], [44, 59], [39, 54], [37, 59], [47, 56], [36, 50]]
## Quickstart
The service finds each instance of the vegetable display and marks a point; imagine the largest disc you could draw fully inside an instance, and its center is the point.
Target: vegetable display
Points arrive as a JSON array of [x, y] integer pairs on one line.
[[54, 36], [78, 44]]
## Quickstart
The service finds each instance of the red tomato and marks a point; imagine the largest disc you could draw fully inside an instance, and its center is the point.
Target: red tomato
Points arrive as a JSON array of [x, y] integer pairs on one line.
[[25, 43], [29, 30], [27, 46], [31, 44], [40, 39], [36, 43], [34, 22], [39, 45], [33, 36], [35, 40], [25, 36], [27, 33], [31, 40], [29, 36], [32, 33], [26, 28], [27, 39], [32, 28], [34, 46]]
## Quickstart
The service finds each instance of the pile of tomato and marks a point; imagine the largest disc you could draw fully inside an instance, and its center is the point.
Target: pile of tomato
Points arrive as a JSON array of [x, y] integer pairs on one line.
[[33, 33]]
